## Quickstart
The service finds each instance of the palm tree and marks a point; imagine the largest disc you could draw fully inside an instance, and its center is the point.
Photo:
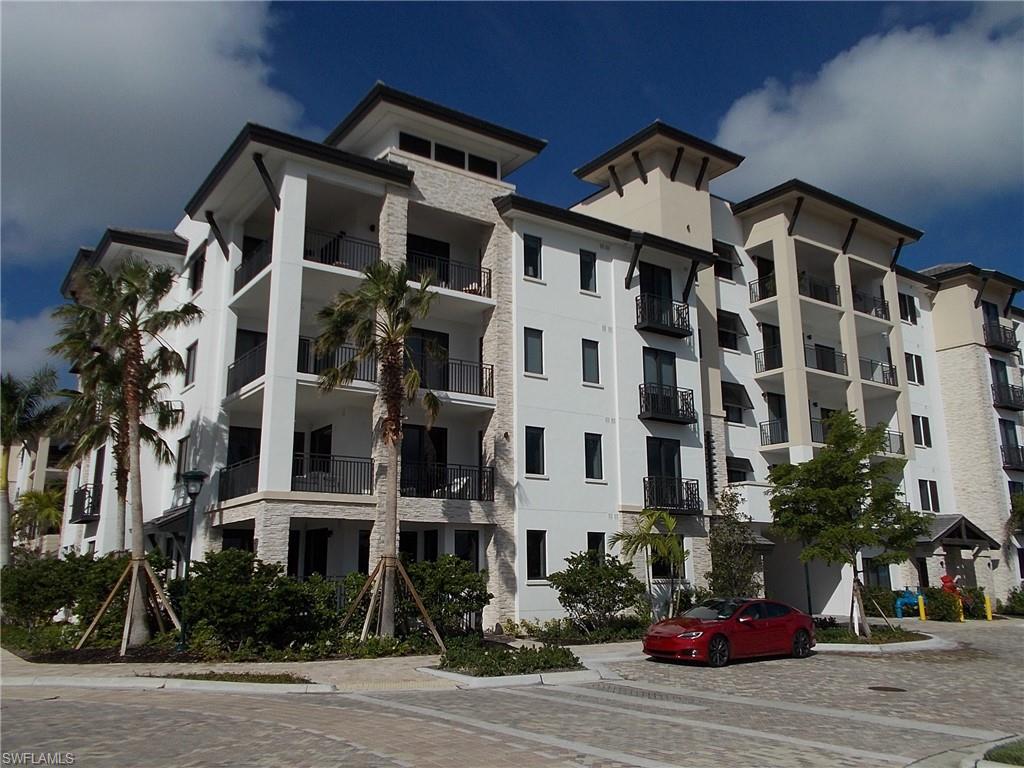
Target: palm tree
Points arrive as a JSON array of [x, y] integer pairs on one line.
[[38, 512], [25, 414], [377, 319], [118, 317], [654, 536]]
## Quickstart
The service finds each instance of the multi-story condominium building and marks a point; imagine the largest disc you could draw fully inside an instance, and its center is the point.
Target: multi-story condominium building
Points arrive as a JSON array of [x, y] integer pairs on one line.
[[641, 350], [37, 466]]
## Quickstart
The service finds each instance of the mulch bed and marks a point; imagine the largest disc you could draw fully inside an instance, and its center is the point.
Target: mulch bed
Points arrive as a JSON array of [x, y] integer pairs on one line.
[[109, 656]]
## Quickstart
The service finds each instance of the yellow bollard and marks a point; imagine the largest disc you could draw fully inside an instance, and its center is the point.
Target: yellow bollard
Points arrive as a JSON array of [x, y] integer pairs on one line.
[[988, 609], [960, 608], [920, 608]]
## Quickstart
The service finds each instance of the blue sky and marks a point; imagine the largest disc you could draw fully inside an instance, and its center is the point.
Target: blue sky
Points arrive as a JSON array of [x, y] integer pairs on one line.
[[112, 114]]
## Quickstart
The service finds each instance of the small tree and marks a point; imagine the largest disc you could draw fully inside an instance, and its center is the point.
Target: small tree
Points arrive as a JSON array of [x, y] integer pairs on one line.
[[735, 562], [38, 513], [595, 588], [654, 535], [845, 499]]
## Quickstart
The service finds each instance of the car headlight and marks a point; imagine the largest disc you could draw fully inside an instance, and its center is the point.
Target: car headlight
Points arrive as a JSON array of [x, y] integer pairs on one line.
[[693, 634]]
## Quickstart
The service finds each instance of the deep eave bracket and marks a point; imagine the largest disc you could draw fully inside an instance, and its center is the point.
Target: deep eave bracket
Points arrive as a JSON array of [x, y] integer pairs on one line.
[[849, 235], [267, 181], [703, 170], [675, 164], [689, 280], [615, 179], [632, 263], [796, 215], [217, 234], [896, 253], [640, 167]]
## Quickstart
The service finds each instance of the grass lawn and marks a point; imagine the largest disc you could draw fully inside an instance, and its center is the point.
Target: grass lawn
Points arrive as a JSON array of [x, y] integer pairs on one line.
[[1011, 754], [279, 678], [879, 635]]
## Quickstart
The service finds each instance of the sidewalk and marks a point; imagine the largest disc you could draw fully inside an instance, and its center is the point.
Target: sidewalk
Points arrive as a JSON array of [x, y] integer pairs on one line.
[[398, 673]]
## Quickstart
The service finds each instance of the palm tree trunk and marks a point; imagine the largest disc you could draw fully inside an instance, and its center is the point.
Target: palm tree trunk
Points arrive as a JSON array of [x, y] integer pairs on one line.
[[140, 627], [387, 621], [5, 508]]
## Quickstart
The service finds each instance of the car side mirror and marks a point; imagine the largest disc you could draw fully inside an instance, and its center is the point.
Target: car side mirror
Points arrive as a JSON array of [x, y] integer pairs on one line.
[[744, 619]]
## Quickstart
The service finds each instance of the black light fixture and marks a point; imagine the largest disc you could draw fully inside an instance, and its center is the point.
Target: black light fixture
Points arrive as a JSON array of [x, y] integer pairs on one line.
[[193, 480]]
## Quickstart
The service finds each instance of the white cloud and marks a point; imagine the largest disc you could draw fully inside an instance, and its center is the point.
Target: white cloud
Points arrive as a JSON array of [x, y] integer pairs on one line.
[[114, 113], [24, 344], [906, 121]]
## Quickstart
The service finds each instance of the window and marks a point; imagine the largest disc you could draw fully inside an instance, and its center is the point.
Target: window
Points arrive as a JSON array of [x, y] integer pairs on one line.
[[181, 458], [483, 166], [533, 345], [776, 610], [449, 156], [588, 271], [363, 555], [1016, 488], [595, 542], [536, 555], [1008, 433], [723, 269], [876, 574], [726, 259], [922, 431], [195, 275], [908, 308], [535, 450], [531, 256], [430, 546], [738, 470], [730, 328], [591, 362], [592, 456], [190, 362], [929, 491], [662, 569], [915, 369], [467, 547], [735, 400], [990, 312], [414, 144], [408, 543]]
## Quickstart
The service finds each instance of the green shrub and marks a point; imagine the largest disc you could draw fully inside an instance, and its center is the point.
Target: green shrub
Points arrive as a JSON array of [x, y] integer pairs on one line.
[[594, 589], [886, 599], [941, 605], [471, 657], [33, 589], [1014, 605], [565, 632], [1011, 753], [974, 602], [450, 588]]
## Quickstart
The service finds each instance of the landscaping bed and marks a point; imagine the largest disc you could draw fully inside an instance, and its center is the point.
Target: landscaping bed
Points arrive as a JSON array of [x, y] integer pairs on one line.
[[880, 635], [1011, 754], [272, 678], [483, 659]]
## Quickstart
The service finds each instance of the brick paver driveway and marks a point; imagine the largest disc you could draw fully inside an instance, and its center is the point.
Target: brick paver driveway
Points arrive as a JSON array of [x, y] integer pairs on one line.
[[820, 711]]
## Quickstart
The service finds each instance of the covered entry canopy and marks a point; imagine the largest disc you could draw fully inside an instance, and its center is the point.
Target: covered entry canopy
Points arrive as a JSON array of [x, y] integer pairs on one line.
[[957, 531]]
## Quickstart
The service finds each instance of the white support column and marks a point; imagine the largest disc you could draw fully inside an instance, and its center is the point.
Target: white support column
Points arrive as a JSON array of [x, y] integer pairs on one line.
[[283, 335]]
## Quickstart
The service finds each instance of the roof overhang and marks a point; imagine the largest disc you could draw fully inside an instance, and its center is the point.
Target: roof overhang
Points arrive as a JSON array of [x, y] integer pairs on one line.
[[909, 274], [237, 164], [659, 135], [115, 242], [957, 531], [830, 205], [384, 107], [971, 270]]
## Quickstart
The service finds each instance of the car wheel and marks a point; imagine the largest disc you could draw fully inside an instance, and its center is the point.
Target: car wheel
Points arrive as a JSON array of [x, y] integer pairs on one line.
[[801, 644], [718, 651]]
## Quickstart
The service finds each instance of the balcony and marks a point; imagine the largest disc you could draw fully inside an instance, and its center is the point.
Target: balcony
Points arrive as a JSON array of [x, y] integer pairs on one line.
[[1013, 457], [672, 494], [448, 374], [85, 503], [878, 372], [311, 362], [247, 368], [894, 443], [424, 480], [339, 250], [767, 359], [1008, 396], [1001, 337], [238, 479], [453, 275], [662, 403], [818, 290], [871, 305], [774, 432], [763, 288], [323, 473], [819, 431], [825, 359], [661, 315], [252, 265]]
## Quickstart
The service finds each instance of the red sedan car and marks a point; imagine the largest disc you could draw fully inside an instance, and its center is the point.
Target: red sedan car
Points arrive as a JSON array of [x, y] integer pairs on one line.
[[721, 629]]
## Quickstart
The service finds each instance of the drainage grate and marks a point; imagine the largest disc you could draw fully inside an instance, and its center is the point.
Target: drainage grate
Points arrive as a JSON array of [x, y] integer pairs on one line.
[[886, 689]]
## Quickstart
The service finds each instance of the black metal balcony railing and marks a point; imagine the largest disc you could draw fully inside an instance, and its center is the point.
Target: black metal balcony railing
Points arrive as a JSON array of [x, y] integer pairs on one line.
[[85, 503], [238, 479], [767, 359], [426, 480], [664, 403], [878, 372], [454, 275], [1008, 396], [662, 315], [325, 473], [252, 265], [340, 250], [248, 367], [822, 359], [871, 305], [448, 374], [774, 432], [311, 362], [1001, 337], [1013, 456], [673, 494], [763, 288], [818, 289], [894, 443]]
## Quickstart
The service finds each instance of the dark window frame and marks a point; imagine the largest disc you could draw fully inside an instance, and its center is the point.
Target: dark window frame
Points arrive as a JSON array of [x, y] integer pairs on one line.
[[928, 490], [413, 144], [588, 260], [537, 462], [481, 165], [536, 561], [908, 308], [536, 335], [596, 347], [191, 359], [532, 242], [195, 273], [452, 156], [915, 368], [591, 439], [922, 431]]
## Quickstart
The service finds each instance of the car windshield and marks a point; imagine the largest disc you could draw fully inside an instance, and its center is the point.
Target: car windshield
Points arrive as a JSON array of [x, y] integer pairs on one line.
[[711, 610]]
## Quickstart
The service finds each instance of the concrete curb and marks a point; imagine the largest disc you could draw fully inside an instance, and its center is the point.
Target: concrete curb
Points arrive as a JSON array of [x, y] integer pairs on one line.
[[515, 681], [931, 644], [971, 756], [166, 683]]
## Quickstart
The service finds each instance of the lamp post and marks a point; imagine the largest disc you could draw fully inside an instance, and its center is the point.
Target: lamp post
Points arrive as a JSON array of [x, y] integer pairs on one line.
[[193, 480]]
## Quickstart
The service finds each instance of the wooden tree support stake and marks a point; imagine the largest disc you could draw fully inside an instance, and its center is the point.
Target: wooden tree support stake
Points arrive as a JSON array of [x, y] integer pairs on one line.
[[359, 597], [419, 604], [103, 608]]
